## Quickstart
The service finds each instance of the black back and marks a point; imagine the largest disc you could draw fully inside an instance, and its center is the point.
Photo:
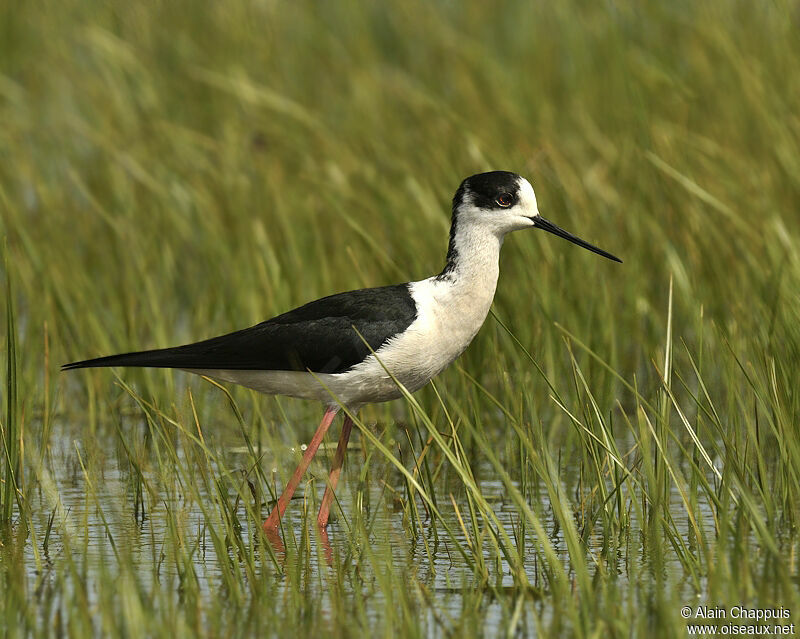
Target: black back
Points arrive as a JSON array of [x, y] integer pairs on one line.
[[319, 336]]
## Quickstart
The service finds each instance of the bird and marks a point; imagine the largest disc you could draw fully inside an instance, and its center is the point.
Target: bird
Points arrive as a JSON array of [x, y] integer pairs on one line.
[[357, 347]]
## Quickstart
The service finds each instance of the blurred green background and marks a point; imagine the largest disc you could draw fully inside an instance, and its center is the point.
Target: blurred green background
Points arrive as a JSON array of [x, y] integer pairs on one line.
[[170, 171], [237, 159]]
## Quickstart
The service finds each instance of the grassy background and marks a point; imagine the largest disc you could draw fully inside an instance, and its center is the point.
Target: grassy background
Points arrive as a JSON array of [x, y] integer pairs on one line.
[[171, 171]]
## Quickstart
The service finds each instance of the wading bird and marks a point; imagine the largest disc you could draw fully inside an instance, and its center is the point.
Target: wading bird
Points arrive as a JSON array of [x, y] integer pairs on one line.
[[341, 349]]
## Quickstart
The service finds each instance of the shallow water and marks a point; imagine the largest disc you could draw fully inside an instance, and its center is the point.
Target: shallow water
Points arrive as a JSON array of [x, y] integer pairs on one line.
[[101, 523]]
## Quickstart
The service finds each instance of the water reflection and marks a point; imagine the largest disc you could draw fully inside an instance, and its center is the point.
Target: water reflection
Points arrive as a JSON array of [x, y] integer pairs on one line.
[[117, 514]]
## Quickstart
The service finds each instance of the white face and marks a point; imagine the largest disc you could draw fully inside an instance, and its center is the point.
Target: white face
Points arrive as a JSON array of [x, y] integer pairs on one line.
[[508, 210], [525, 208]]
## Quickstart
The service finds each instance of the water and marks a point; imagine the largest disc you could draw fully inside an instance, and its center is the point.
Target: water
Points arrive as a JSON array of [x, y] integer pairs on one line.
[[91, 487]]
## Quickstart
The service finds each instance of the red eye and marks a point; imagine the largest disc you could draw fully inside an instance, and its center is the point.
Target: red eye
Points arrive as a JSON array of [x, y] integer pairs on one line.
[[505, 200]]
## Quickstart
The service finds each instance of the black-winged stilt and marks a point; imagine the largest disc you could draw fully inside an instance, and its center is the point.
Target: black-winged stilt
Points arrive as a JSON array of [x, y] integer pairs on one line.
[[337, 350]]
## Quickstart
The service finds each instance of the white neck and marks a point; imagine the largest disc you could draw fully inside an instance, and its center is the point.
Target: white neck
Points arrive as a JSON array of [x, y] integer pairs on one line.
[[459, 297], [473, 263]]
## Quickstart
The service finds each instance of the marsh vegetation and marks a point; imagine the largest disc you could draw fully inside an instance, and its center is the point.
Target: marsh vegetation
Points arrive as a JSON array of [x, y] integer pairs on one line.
[[618, 442]]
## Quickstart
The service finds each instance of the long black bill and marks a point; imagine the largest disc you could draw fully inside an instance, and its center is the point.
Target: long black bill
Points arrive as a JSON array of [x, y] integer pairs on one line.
[[545, 225]]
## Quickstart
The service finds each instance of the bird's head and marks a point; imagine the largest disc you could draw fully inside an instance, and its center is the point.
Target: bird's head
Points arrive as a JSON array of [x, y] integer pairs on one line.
[[501, 202]]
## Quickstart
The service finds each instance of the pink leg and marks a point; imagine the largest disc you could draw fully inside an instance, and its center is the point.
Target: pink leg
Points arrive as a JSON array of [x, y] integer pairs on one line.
[[336, 470], [274, 519], [327, 549]]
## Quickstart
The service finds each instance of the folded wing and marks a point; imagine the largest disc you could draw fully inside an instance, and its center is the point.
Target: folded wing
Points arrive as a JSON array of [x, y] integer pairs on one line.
[[321, 336]]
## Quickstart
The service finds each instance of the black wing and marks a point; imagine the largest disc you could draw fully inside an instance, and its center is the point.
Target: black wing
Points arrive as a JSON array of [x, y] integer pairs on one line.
[[318, 336]]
